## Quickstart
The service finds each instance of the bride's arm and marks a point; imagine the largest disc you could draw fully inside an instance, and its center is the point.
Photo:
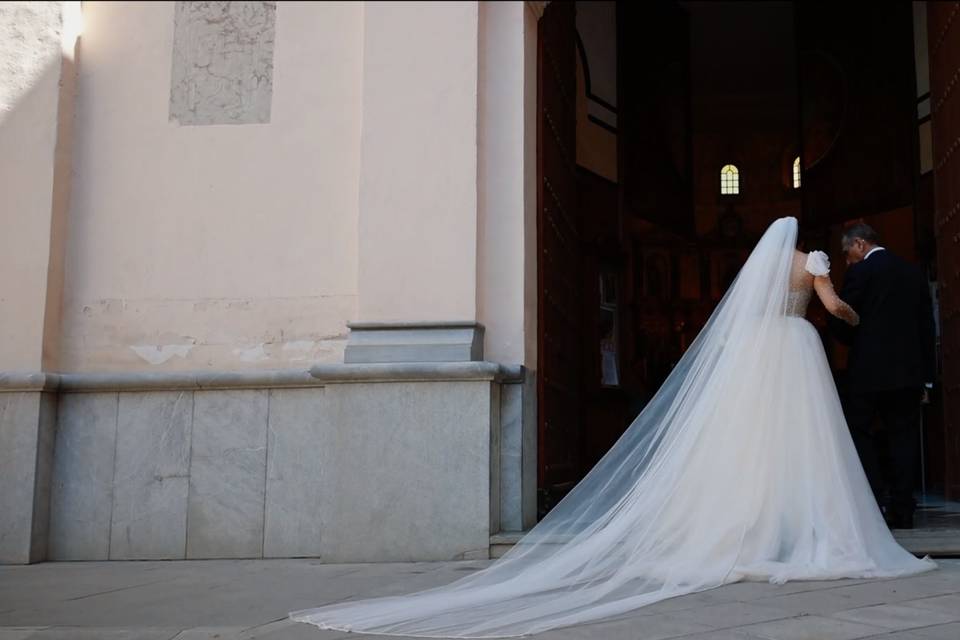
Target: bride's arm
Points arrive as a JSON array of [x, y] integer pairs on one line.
[[818, 264], [837, 307]]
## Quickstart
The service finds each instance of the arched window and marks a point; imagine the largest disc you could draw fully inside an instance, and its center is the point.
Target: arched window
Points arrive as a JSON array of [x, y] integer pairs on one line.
[[729, 180], [796, 172]]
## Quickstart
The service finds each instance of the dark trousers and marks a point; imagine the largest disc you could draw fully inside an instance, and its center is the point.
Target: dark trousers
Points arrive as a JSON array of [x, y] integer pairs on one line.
[[889, 448]]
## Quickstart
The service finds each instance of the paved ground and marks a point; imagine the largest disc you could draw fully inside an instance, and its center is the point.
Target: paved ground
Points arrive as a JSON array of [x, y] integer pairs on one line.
[[249, 599]]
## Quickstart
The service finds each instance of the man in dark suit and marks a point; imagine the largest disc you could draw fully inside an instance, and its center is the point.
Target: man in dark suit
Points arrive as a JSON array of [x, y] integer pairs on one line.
[[890, 367]]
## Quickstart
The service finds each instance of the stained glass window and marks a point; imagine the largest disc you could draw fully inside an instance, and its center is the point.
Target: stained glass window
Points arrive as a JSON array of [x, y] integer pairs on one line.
[[796, 172]]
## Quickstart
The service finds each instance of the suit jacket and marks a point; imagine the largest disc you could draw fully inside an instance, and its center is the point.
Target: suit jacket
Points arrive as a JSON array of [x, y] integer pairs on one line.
[[893, 346]]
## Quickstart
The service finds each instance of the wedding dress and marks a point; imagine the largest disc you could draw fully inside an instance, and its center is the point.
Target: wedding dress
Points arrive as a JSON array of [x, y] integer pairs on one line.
[[741, 467]]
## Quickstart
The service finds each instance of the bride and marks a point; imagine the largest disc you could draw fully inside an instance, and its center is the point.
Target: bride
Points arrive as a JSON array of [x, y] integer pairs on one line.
[[741, 467]]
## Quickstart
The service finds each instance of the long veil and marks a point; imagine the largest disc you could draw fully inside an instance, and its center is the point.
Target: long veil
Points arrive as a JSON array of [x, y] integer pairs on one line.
[[645, 523]]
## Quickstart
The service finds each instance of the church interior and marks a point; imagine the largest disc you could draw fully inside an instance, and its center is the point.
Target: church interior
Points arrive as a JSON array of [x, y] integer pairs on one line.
[[695, 125]]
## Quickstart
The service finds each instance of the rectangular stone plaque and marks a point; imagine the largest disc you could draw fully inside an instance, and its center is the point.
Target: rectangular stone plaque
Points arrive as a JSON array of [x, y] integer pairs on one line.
[[222, 62]]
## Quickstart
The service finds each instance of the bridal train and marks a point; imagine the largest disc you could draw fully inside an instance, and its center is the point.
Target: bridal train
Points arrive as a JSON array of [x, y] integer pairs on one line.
[[741, 467]]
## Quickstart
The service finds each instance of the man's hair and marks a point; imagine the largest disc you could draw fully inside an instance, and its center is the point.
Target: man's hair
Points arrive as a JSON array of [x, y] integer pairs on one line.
[[859, 230]]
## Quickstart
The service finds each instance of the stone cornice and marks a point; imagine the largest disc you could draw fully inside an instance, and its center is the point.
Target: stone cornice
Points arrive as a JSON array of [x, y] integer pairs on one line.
[[317, 376]]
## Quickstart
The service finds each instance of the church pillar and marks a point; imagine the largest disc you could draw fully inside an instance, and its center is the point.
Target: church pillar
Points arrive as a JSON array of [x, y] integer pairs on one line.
[[417, 239], [445, 216], [37, 82]]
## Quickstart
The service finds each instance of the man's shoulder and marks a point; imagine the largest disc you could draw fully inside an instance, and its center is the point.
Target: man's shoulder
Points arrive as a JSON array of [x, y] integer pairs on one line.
[[883, 259], [899, 269], [887, 254], [892, 259]]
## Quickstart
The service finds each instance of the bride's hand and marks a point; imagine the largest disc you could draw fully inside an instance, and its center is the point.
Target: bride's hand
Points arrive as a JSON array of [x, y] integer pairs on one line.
[[832, 302]]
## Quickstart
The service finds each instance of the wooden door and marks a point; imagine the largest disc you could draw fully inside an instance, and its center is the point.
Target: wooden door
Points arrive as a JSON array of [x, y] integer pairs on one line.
[[560, 428], [943, 28]]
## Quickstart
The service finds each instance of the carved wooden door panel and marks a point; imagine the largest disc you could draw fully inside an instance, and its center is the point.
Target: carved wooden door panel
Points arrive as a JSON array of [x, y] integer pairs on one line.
[[943, 29]]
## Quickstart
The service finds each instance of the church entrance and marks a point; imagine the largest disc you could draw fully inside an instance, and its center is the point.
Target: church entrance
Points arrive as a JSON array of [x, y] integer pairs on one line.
[[670, 134]]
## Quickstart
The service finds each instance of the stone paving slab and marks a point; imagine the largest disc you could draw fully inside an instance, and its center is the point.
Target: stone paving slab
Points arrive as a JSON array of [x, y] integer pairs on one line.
[[250, 599]]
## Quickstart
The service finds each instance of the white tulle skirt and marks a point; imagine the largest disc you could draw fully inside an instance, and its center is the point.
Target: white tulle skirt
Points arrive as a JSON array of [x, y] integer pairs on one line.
[[781, 482], [765, 484]]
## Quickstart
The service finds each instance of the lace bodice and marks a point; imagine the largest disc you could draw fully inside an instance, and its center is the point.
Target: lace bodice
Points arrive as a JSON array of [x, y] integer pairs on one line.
[[811, 272], [798, 300]]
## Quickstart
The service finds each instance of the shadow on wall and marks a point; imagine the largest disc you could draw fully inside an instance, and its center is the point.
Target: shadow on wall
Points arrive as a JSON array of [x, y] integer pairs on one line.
[[36, 146], [38, 43]]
